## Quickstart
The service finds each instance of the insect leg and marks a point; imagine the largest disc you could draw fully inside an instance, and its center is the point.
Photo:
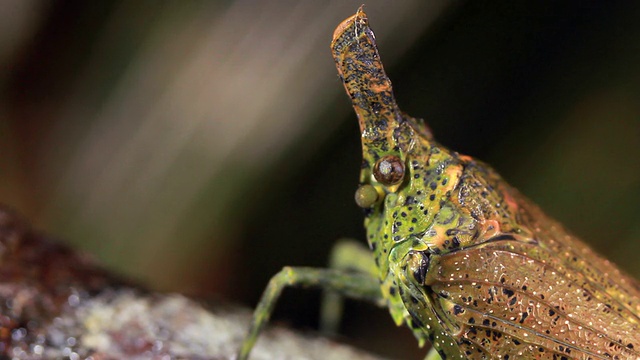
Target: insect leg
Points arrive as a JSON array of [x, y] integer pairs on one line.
[[347, 255], [353, 285]]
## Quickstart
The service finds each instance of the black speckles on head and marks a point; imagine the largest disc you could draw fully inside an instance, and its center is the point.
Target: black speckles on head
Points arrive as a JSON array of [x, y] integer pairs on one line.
[[389, 170]]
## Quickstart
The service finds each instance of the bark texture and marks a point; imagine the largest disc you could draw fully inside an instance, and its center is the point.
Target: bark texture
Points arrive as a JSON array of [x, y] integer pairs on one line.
[[57, 303]]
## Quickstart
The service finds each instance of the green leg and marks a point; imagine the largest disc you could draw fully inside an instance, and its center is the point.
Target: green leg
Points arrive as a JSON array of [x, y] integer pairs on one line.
[[353, 285], [351, 256], [433, 355]]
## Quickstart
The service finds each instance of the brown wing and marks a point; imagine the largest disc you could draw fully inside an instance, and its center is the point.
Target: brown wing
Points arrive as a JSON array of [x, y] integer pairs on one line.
[[517, 298]]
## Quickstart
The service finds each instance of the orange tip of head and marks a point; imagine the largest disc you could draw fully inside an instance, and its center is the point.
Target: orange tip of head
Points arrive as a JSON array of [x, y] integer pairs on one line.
[[359, 16]]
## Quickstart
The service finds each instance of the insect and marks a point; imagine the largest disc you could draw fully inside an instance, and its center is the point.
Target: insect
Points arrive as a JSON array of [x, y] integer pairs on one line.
[[455, 253]]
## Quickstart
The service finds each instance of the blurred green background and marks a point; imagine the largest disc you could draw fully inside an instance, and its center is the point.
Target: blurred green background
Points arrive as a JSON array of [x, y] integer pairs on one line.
[[200, 146]]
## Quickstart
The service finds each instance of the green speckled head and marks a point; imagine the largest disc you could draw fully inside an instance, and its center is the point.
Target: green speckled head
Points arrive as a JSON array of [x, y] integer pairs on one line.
[[402, 164], [406, 185]]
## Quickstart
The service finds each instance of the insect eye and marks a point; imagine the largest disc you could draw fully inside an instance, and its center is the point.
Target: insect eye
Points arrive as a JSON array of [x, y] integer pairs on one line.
[[366, 196], [389, 170]]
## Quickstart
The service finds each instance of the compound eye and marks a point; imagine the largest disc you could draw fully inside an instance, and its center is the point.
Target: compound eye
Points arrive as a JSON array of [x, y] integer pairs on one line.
[[366, 196], [389, 170]]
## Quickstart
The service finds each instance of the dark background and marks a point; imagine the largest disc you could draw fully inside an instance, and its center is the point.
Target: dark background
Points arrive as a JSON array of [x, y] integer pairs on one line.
[[546, 92]]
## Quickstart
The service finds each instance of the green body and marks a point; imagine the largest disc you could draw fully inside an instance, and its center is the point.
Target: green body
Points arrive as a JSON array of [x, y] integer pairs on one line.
[[459, 256]]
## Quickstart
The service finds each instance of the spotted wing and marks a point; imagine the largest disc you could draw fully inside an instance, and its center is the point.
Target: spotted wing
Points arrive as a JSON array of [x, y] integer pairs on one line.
[[524, 299]]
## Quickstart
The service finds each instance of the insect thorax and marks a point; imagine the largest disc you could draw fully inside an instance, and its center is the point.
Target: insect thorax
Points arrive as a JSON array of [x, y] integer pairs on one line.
[[444, 203]]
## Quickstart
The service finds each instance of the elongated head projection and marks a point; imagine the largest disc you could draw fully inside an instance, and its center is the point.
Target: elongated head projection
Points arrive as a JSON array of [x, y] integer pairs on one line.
[[464, 260]]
